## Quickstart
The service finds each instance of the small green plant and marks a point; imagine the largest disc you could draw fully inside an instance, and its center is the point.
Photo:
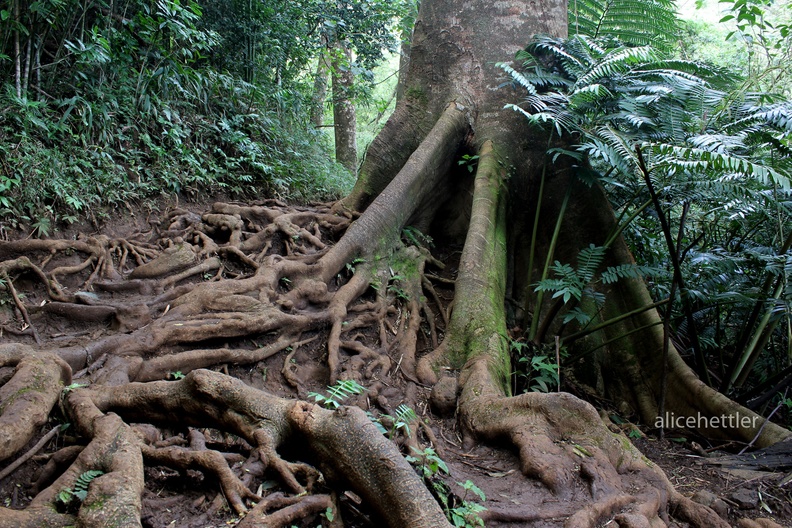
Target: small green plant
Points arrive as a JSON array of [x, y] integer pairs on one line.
[[397, 290], [176, 375], [469, 161], [350, 266], [427, 462], [338, 393], [537, 370], [458, 510], [544, 373], [415, 237], [400, 421], [69, 497], [42, 227], [72, 387], [404, 415], [467, 514]]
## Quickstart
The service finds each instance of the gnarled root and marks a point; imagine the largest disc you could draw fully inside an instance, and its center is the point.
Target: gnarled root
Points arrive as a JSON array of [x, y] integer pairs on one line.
[[350, 449], [28, 397]]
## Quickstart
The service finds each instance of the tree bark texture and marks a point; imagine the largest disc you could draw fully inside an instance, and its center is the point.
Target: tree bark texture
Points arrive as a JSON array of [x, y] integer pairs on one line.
[[344, 115]]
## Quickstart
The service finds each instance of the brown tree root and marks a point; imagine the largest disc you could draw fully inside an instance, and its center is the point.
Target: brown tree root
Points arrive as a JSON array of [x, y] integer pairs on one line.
[[289, 510], [350, 450], [348, 445], [28, 397], [561, 440]]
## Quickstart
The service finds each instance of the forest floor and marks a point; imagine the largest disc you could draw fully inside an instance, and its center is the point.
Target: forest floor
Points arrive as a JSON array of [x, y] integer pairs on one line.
[[188, 499]]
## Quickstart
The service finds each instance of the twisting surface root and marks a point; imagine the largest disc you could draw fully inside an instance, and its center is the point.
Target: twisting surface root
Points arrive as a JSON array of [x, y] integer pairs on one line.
[[158, 304], [244, 285]]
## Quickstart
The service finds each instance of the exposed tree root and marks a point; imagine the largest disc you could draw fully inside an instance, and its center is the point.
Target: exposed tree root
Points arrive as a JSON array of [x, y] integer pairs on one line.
[[27, 398], [561, 440], [246, 285]]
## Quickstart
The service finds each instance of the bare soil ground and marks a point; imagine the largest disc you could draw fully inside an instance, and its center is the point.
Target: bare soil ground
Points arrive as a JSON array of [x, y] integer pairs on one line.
[[191, 499]]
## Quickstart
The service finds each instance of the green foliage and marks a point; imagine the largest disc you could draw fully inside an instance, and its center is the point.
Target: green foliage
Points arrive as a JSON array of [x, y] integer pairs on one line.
[[467, 513], [428, 463], [400, 421], [395, 289], [720, 161], [638, 22], [572, 283], [72, 387], [415, 237], [535, 368], [69, 497], [468, 161], [459, 510], [337, 393], [274, 42], [764, 28], [132, 107]]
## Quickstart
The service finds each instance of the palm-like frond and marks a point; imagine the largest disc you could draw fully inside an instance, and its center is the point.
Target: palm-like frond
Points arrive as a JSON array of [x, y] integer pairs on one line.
[[637, 22], [689, 159], [616, 98]]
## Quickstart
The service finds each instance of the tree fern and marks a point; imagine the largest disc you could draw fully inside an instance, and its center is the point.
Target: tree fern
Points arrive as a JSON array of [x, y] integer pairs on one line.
[[633, 114], [637, 22]]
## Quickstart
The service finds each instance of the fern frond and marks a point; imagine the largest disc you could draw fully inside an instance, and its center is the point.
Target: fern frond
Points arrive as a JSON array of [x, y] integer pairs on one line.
[[83, 481], [697, 159], [637, 22], [618, 61], [589, 260], [405, 413]]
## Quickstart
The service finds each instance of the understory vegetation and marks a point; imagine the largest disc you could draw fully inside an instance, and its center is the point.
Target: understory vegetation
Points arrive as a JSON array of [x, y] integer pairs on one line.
[[700, 177], [111, 104]]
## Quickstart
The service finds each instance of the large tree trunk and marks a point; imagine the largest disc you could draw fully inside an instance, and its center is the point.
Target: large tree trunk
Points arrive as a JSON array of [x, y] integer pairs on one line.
[[284, 276], [473, 39]]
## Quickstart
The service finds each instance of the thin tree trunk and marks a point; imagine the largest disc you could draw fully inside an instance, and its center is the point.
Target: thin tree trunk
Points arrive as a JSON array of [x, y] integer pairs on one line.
[[17, 54], [344, 117], [28, 64], [406, 49], [320, 88]]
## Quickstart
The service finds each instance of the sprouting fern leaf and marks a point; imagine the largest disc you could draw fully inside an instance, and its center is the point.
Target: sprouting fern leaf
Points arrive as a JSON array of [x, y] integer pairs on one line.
[[338, 393], [577, 314], [628, 271], [406, 414], [589, 260], [81, 485], [80, 491]]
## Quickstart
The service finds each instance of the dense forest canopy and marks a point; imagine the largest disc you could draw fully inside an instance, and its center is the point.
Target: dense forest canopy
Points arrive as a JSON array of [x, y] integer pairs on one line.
[[587, 201]]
